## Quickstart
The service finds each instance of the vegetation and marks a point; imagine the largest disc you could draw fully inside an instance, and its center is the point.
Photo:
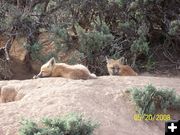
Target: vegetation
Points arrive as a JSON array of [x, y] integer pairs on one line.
[[71, 124], [92, 45], [150, 100], [139, 30]]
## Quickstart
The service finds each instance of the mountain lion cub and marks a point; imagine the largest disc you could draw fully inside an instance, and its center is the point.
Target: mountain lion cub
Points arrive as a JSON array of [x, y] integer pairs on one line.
[[117, 67], [53, 69]]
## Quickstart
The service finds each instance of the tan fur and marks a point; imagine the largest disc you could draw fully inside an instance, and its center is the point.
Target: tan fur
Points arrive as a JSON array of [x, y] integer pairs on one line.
[[53, 69], [117, 67]]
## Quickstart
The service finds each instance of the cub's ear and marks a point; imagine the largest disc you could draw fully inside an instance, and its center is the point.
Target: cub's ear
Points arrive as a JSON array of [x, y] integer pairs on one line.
[[52, 61], [122, 60], [107, 60]]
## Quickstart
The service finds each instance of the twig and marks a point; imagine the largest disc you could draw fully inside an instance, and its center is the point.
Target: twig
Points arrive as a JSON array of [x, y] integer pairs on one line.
[[5, 48], [134, 60], [6, 54], [166, 55]]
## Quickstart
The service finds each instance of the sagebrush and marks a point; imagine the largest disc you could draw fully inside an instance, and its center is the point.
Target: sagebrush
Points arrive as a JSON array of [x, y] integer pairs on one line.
[[150, 100], [71, 124], [141, 29]]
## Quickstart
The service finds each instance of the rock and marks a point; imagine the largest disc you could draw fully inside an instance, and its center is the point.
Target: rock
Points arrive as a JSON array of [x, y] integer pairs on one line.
[[17, 50], [8, 94]]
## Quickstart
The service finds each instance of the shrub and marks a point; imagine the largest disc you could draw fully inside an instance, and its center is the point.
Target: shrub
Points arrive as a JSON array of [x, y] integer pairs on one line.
[[174, 27], [35, 52], [61, 38], [150, 65], [140, 46], [71, 124], [140, 28], [120, 2], [34, 49], [66, 44], [150, 100], [93, 44]]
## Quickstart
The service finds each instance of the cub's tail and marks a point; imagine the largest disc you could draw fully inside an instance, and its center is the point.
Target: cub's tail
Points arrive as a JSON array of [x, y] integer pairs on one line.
[[92, 76]]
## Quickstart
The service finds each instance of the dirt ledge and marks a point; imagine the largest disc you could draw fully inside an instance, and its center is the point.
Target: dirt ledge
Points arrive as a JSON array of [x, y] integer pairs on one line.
[[100, 99]]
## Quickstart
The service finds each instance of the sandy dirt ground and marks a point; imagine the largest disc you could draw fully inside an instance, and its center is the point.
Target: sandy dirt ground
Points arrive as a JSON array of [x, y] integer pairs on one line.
[[103, 100]]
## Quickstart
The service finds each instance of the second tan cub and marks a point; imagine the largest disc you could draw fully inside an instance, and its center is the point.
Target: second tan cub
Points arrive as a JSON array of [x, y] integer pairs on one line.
[[117, 67], [53, 69]]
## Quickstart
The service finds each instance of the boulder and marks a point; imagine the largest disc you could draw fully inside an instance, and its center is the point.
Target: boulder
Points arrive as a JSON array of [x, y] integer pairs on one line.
[[18, 50]]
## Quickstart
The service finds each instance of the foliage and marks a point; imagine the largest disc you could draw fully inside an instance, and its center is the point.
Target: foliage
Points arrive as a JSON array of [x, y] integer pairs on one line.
[[66, 42], [144, 27], [140, 46], [35, 49], [92, 45], [135, 29], [71, 124], [150, 65], [120, 2], [174, 27], [61, 38], [93, 42], [36, 52], [150, 100]]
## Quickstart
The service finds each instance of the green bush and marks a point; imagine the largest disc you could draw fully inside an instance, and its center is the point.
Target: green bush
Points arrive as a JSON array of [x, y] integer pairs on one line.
[[35, 52], [140, 46], [93, 42], [64, 43], [150, 100], [71, 124], [92, 45], [120, 2], [137, 29], [174, 27], [34, 49], [61, 38], [150, 65]]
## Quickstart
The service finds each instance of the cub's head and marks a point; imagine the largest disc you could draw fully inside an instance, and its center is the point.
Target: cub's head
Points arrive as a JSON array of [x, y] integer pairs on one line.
[[114, 66], [46, 69]]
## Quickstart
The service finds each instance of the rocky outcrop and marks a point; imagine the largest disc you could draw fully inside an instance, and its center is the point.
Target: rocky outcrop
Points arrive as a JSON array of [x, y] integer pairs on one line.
[[18, 50], [103, 100], [24, 68], [10, 93]]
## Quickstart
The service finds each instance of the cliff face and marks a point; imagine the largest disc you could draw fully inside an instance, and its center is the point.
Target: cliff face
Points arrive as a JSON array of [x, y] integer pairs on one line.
[[18, 58], [104, 100], [24, 67]]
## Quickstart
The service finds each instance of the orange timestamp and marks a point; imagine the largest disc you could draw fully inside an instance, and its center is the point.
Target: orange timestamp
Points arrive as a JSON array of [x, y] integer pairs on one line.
[[152, 117]]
